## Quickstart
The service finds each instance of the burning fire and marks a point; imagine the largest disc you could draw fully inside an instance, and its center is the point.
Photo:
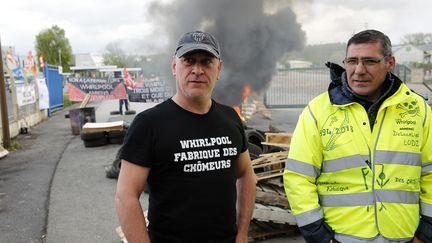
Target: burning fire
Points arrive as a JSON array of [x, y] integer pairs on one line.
[[237, 108], [246, 92]]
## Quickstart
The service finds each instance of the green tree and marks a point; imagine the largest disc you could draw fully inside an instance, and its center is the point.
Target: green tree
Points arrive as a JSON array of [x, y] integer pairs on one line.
[[417, 39], [53, 45], [114, 55]]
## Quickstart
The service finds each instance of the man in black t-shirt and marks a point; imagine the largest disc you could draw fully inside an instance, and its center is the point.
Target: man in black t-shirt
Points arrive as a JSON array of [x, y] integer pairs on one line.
[[192, 153]]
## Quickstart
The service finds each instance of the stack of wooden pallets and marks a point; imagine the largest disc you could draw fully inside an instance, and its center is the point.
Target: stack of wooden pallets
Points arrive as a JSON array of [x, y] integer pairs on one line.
[[269, 165], [272, 215]]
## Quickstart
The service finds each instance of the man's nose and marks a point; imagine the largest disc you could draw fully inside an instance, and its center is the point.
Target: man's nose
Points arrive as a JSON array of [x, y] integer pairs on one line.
[[197, 69], [360, 68]]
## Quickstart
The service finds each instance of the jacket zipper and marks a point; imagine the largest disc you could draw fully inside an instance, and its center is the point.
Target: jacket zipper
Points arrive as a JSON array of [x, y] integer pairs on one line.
[[373, 172]]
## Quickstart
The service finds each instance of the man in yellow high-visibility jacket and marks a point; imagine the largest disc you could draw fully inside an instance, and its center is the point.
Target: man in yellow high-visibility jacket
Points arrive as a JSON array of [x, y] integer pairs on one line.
[[359, 167]]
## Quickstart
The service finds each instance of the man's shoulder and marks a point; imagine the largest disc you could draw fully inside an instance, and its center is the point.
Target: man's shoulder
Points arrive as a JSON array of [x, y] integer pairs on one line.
[[224, 109], [319, 106], [222, 106], [320, 100], [405, 92], [157, 108], [155, 112]]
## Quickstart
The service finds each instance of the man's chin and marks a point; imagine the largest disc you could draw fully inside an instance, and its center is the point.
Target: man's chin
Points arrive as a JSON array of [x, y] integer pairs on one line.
[[198, 96], [361, 91]]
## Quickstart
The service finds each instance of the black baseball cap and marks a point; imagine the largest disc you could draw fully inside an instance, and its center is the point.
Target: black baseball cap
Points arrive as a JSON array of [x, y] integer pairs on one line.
[[197, 40]]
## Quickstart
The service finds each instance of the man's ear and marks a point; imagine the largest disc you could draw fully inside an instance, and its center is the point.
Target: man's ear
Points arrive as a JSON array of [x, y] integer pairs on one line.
[[391, 63], [220, 67], [173, 65]]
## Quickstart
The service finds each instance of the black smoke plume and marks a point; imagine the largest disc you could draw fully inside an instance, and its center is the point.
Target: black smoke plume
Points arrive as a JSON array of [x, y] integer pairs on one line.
[[252, 37]]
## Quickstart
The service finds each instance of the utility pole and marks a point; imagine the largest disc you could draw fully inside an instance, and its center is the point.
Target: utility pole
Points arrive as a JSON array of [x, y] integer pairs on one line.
[[3, 106], [59, 52]]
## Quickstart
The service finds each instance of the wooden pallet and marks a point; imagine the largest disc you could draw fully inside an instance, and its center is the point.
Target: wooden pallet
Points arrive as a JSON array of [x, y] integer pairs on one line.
[[273, 214], [278, 139], [271, 195], [103, 126], [269, 165], [259, 230]]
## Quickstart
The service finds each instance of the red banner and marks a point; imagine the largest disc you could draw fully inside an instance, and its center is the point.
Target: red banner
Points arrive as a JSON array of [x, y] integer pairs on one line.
[[100, 89]]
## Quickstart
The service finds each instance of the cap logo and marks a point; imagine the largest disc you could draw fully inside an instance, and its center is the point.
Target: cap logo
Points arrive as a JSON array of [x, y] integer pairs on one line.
[[198, 36]]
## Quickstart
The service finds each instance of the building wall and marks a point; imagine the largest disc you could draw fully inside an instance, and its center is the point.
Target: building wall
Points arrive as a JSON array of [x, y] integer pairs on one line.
[[29, 121], [409, 54]]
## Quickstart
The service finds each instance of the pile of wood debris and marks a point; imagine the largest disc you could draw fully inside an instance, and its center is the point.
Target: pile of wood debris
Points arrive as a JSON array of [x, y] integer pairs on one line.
[[272, 215]]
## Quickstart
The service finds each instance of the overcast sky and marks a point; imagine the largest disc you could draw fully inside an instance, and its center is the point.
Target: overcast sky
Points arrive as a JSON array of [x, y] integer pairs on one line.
[[91, 24]]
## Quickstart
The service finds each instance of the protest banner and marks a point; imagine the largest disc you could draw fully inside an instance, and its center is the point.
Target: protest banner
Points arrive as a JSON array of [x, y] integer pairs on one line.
[[151, 90], [100, 89], [43, 93], [26, 94]]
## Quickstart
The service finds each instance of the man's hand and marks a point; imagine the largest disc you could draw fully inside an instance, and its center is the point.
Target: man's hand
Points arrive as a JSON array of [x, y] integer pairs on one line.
[[241, 238], [417, 240]]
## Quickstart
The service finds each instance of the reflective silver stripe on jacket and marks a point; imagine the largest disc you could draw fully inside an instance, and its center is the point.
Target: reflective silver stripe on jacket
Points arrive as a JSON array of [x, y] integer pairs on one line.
[[393, 157], [351, 199], [302, 168], [427, 167], [426, 209], [425, 112], [377, 239], [366, 198], [309, 217], [386, 157], [311, 113], [344, 163], [396, 196]]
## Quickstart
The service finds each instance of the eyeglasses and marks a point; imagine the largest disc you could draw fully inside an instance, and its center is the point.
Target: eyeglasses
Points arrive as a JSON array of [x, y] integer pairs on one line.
[[367, 61]]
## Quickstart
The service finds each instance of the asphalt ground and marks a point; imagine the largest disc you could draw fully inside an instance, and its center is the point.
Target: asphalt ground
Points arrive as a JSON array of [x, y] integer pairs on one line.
[[53, 189]]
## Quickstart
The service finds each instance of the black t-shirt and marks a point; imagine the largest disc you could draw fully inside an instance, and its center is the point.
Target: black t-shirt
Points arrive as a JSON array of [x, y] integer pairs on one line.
[[192, 180]]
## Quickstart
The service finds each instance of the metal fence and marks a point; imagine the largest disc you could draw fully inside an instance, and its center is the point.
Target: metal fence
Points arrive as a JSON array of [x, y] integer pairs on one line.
[[54, 81], [22, 115], [403, 72], [294, 88], [291, 88], [16, 112]]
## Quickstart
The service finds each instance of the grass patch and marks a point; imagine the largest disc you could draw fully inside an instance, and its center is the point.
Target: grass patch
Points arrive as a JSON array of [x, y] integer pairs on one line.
[[15, 145], [66, 101]]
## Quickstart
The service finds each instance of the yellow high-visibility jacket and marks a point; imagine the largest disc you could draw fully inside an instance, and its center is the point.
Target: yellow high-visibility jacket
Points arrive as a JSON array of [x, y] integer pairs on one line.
[[364, 184]]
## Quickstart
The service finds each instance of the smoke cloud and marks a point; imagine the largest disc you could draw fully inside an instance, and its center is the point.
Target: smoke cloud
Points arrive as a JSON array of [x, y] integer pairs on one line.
[[253, 34]]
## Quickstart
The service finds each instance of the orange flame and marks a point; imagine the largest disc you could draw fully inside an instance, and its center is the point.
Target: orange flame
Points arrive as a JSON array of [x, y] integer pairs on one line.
[[246, 91], [238, 110]]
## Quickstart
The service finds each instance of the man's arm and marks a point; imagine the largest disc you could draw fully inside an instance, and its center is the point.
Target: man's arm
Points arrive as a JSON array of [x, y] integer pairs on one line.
[[246, 189], [302, 169], [130, 185], [424, 230]]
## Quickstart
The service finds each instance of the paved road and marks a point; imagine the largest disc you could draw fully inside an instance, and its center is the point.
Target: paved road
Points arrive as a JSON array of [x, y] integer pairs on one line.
[[25, 180]]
